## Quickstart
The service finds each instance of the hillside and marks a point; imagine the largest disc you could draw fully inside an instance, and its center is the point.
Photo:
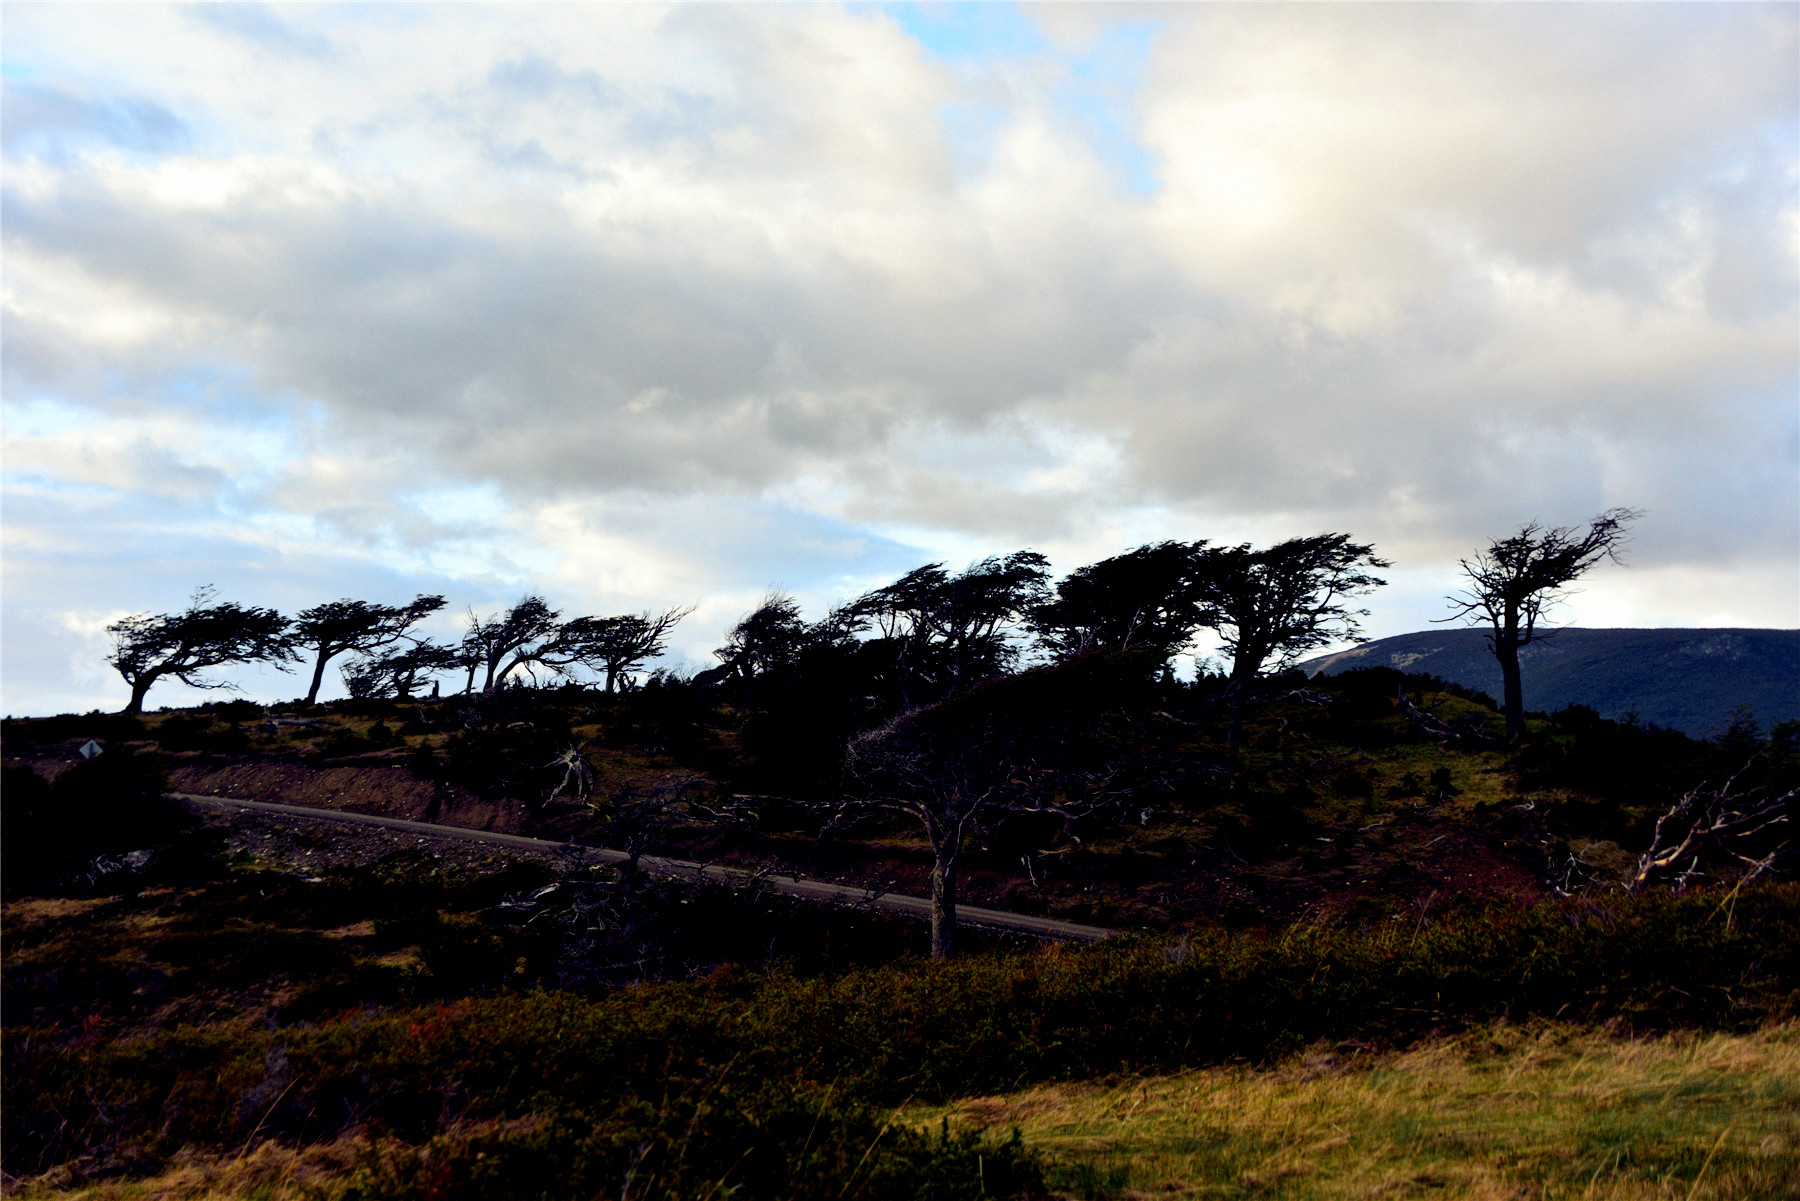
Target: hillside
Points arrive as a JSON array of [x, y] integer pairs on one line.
[[285, 1006], [1687, 680]]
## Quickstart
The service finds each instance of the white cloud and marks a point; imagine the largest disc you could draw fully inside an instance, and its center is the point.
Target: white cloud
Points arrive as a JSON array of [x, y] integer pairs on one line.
[[647, 305]]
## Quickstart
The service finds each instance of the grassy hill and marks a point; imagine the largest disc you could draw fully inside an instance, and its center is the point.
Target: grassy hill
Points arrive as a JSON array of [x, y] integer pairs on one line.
[[1688, 680], [192, 1012]]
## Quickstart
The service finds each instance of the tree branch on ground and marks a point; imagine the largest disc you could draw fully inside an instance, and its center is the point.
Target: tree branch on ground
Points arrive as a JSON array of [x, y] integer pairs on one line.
[[1713, 825]]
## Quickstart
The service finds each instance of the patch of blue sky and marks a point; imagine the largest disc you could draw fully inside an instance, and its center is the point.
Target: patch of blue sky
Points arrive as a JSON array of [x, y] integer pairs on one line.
[[48, 417], [1100, 92], [459, 504], [55, 124], [1097, 90], [970, 35], [261, 26]]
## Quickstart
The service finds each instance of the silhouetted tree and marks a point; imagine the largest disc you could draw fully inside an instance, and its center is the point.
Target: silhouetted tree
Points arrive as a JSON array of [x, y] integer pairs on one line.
[[1032, 745], [397, 671], [1515, 579], [769, 637], [615, 647], [183, 645], [531, 633], [949, 631], [1145, 598], [490, 641], [1271, 606], [345, 626]]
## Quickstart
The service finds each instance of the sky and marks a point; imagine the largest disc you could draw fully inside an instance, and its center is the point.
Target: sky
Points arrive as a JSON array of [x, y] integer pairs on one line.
[[638, 306]]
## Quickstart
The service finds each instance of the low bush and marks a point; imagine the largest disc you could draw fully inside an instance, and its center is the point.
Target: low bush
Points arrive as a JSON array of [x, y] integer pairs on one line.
[[881, 1036]]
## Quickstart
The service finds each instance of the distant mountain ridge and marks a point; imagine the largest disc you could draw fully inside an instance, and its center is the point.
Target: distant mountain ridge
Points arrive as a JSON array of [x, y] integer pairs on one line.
[[1687, 680]]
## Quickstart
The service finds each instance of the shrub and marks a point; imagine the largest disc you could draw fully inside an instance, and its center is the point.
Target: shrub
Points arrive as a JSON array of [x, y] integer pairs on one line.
[[983, 1024]]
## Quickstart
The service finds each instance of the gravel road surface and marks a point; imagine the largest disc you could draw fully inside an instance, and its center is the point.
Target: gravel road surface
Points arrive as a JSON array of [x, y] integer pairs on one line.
[[815, 890]]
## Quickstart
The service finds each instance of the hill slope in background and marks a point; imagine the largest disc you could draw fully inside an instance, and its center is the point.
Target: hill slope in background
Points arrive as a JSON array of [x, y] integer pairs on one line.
[[1687, 680]]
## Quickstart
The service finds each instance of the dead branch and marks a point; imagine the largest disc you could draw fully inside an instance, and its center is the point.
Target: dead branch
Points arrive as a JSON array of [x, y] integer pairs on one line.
[[1467, 733], [1712, 824]]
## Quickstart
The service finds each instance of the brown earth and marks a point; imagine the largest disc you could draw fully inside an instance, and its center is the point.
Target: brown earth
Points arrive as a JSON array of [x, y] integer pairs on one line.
[[1417, 860]]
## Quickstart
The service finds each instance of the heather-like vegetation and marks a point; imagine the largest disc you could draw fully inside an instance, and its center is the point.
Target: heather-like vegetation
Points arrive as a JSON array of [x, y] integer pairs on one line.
[[1364, 865], [789, 1075]]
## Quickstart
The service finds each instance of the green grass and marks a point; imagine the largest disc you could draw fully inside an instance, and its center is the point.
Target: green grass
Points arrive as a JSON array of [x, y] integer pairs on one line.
[[1506, 1113]]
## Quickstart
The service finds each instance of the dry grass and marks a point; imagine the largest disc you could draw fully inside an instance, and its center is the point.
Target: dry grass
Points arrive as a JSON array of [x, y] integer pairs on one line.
[[270, 1172], [1507, 1114]]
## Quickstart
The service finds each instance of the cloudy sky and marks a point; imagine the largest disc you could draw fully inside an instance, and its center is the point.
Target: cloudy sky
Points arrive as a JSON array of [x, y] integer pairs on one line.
[[640, 306]]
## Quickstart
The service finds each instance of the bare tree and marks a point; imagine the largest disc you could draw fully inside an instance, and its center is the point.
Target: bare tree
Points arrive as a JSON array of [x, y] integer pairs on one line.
[[1271, 606], [147, 647], [988, 753], [1515, 579], [353, 626]]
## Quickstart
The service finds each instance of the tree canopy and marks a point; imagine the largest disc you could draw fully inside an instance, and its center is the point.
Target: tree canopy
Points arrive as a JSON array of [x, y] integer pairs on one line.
[[353, 626], [1514, 579], [1145, 598], [1271, 606], [183, 646]]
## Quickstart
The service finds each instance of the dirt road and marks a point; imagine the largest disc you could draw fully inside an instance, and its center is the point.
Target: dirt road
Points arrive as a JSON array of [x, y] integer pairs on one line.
[[815, 890]]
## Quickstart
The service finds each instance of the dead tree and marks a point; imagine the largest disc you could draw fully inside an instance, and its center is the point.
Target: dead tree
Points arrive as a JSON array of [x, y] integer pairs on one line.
[[959, 764], [1515, 579], [1713, 825]]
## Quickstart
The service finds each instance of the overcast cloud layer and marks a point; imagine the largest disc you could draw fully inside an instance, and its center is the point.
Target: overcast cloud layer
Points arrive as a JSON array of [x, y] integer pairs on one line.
[[642, 306]]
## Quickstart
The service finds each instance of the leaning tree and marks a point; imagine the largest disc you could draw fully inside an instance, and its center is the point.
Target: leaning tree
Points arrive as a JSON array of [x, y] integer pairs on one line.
[[1515, 579], [945, 631], [354, 627], [1144, 599], [1270, 606], [183, 646], [397, 671]]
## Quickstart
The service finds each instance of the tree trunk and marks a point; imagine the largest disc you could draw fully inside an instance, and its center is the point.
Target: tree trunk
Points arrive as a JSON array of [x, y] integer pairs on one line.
[[943, 907], [139, 687], [1238, 691], [1513, 702], [312, 693]]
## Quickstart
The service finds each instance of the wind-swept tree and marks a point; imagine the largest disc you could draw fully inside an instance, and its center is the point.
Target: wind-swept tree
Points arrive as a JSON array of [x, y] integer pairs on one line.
[[352, 626], [614, 647], [532, 634], [1271, 606], [769, 637], [949, 631], [398, 671], [1145, 598], [494, 644], [1515, 579], [182, 646]]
